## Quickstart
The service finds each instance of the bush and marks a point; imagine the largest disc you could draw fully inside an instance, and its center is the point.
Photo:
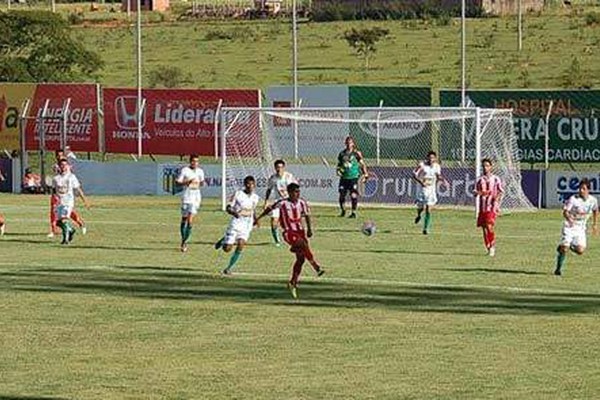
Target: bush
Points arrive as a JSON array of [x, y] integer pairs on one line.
[[75, 18], [168, 77], [592, 18]]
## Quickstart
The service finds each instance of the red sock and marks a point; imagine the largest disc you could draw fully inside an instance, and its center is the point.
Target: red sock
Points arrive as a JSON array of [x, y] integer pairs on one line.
[[296, 270], [491, 238]]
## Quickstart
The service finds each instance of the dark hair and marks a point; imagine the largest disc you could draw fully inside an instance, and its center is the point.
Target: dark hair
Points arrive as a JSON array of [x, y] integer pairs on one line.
[[57, 152], [63, 159], [487, 160], [431, 153], [279, 162], [584, 182], [249, 178], [293, 187], [192, 156]]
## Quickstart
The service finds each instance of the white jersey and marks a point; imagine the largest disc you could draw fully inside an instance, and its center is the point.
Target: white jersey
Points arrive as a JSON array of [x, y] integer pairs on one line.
[[244, 204], [428, 173], [64, 185], [580, 210], [195, 177], [279, 184]]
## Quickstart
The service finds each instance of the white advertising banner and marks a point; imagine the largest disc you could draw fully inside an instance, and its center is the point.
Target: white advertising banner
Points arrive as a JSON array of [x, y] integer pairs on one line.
[[562, 185]]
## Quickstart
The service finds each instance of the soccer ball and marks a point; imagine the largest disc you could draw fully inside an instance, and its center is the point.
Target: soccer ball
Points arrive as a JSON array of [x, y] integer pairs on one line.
[[369, 228]]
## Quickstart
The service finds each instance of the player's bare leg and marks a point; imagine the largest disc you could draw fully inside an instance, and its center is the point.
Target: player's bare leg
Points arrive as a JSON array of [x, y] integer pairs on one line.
[[77, 220], [235, 256], [304, 248], [2, 225]]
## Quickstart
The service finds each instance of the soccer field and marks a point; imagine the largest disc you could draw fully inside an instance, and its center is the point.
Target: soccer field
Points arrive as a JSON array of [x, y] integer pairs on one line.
[[122, 314]]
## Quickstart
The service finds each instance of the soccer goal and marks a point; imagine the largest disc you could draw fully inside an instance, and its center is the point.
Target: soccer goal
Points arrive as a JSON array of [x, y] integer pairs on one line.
[[392, 141]]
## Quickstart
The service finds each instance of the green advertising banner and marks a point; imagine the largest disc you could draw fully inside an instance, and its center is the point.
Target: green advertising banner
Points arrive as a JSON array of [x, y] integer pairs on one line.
[[404, 140], [573, 126]]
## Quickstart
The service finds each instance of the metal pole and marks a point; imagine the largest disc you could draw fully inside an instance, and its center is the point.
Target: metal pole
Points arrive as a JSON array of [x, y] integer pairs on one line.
[[129, 8], [295, 71], [139, 75], [463, 54], [547, 136], [216, 128], [477, 151], [22, 129], [520, 24], [8, 4], [65, 118], [42, 136], [53, 5], [378, 137]]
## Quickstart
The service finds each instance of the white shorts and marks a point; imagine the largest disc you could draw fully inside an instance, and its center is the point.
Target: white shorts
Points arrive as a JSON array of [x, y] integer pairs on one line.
[[236, 232], [427, 196], [574, 236], [189, 209], [63, 212], [274, 213]]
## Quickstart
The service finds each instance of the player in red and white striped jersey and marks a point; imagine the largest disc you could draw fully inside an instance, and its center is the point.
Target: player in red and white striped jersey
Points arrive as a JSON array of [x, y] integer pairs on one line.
[[291, 211], [489, 191]]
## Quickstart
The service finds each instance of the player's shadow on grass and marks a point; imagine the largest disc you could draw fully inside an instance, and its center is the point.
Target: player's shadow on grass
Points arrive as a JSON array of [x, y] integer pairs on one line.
[[171, 284], [409, 251], [30, 398], [495, 271]]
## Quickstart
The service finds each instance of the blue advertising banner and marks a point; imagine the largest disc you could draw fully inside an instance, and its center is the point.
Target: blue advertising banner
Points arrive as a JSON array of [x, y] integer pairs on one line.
[[562, 185]]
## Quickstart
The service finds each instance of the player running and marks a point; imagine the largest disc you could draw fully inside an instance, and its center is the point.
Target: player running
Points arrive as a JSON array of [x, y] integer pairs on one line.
[[242, 210], [350, 168], [60, 155], [66, 185], [489, 189], [192, 178], [427, 174], [576, 212], [278, 183], [292, 209]]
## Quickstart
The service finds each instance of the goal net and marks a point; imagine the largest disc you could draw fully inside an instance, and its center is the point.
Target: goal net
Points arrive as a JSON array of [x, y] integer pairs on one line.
[[392, 140]]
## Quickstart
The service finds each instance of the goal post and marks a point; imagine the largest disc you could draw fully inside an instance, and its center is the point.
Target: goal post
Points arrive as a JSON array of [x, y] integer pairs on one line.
[[392, 140]]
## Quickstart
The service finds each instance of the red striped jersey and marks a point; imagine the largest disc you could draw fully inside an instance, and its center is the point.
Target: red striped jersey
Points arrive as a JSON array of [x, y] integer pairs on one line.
[[491, 185], [290, 214]]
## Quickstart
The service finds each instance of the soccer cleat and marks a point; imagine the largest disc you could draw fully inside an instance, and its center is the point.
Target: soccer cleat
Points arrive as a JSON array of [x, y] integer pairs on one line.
[[184, 248], [277, 244], [293, 290], [219, 244], [418, 219], [352, 215], [65, 242], [84, 230], [343, 213], [557, 272], [71, 234], [226, 271], [50, 235], [2, 229], [492, 251], [320, 272], [425, 232]]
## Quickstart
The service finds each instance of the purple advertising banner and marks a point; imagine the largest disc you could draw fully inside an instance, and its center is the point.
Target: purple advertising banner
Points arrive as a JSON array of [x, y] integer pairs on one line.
[[396, 185], [6, 172]]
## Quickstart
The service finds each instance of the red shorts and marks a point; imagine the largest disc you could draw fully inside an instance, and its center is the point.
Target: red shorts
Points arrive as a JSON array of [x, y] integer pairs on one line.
[[293, 237], [486, 218]]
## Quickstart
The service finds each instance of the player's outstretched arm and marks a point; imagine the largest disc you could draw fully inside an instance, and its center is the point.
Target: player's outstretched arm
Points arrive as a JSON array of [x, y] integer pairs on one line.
[[231, 211], [309, 231], [83, 198]]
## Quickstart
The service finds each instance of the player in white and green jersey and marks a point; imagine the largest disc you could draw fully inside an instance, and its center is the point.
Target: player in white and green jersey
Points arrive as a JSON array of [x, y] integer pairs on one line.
[[66, 185], [277, 184], [576, 212], [192, 178], [427, 174]]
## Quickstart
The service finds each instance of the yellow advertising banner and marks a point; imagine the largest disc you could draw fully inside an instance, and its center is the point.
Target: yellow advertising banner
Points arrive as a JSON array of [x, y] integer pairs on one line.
[[12, 96]]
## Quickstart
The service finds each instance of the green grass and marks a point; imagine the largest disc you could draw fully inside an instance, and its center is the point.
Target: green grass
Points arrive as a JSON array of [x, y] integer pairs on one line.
[[417, 52], [121, 314]]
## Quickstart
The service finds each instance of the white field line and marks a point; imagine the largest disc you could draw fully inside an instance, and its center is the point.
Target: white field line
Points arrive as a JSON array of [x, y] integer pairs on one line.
[[342, 280], [471, 233]]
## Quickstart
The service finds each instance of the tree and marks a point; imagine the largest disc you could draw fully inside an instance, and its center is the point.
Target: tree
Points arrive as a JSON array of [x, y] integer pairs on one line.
[[364, 41], [36, 46], [168, 76]]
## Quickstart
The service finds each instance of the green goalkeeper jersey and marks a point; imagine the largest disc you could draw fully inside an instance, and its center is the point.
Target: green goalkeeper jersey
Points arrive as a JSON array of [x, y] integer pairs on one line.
[[349, 164]]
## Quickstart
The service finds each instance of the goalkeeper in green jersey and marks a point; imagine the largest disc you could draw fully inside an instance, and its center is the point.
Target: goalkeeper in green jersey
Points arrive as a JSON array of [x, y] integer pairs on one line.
[[350, 168]]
